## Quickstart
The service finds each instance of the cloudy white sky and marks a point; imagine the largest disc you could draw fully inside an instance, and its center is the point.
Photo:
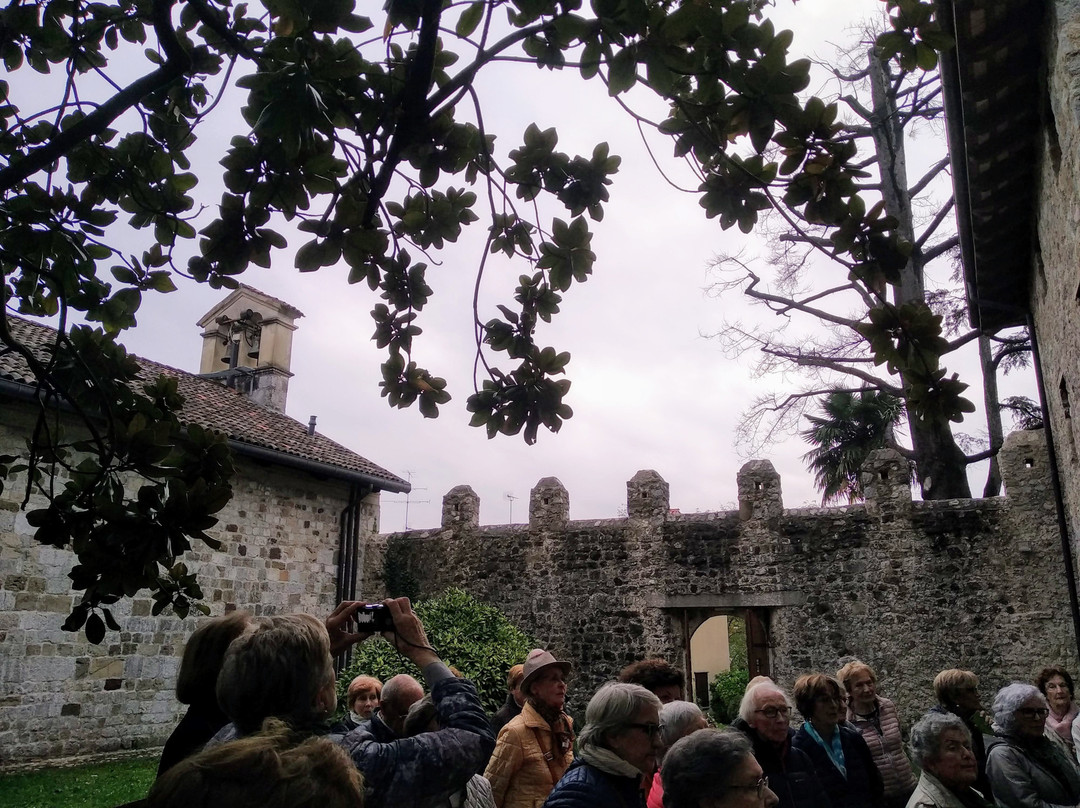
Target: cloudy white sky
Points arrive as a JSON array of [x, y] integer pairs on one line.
[[649, 391]]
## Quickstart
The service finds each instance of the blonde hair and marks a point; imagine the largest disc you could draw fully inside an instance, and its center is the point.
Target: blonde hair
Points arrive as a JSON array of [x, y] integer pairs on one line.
[[273, 769], [949, 681], [851, 670]]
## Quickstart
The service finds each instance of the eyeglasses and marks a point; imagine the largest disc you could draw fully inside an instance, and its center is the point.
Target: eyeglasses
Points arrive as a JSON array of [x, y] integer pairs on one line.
[[772, 713], [759, 786], [648, 729], [1033, 712]]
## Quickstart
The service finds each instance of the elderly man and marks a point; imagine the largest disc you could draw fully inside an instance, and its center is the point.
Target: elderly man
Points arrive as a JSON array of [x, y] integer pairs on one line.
[[765, 718], [715, 769], [282, 668], [388, 721]]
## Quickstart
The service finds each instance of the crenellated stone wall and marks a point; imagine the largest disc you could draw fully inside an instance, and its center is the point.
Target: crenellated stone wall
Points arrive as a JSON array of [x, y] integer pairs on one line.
[[910, 587]]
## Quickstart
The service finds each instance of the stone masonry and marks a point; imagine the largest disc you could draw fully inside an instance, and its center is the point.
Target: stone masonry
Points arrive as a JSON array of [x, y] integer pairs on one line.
[[60, 696], [1055, 284], [909, 587]]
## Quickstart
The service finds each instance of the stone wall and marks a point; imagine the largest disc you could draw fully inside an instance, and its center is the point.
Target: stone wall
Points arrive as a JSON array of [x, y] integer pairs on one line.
[[910, 587], [61, 696], [1055, 288]]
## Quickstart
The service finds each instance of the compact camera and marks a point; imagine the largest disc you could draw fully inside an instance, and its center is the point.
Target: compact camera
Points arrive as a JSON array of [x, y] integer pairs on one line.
[[374, 617]]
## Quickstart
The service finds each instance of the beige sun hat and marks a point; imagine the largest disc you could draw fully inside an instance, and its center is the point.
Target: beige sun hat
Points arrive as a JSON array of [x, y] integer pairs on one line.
[[536, 661]]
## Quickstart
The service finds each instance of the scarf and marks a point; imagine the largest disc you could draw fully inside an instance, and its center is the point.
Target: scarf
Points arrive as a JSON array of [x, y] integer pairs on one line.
[[562, 736], [834, 749], [1062, 724], [608, 762]]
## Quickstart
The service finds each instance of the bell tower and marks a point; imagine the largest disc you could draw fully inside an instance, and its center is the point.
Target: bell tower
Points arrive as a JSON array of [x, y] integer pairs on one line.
[[247, 344]]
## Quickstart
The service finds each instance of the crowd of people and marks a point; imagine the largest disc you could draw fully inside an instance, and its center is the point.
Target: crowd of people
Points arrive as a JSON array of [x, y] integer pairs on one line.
[[262, 699]]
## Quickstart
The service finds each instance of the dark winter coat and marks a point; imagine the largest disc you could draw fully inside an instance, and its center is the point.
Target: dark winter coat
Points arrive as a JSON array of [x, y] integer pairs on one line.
[[199, 724], [505, 714], [585, 786], [862, 788], [423, 769], [791, 773]]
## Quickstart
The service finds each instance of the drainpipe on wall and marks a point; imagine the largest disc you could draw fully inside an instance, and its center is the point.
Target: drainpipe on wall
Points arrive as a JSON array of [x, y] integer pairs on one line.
[[1055, 482], [349, 555]]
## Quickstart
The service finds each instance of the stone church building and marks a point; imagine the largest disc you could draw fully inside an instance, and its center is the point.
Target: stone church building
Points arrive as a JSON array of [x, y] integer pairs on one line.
[[294, 536]]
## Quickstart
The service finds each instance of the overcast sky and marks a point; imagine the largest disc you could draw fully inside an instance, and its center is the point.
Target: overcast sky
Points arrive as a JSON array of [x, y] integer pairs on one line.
[[649, 391]]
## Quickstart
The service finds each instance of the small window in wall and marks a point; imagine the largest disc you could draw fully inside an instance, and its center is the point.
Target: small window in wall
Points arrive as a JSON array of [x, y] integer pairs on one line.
[[1063, 392]]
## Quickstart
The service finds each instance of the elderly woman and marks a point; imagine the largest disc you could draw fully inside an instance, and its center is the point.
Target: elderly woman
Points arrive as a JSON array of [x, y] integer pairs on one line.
[[362, 699], [715, 769], [203, 657], [840, 756], [617, 750], [535, 748], [1055, 683], [1027, 769], [876, 718], [677, 720], [957, 692], [941, 746]]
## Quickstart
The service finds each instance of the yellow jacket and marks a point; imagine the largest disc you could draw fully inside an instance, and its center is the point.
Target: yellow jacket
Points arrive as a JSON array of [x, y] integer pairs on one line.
[[525, 766]]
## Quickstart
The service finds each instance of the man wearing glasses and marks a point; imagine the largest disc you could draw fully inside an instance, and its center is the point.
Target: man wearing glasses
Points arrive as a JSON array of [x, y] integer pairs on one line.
[[765, 719]]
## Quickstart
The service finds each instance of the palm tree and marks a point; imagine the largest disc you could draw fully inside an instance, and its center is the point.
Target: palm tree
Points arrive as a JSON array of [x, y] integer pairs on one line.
[[852, 425]]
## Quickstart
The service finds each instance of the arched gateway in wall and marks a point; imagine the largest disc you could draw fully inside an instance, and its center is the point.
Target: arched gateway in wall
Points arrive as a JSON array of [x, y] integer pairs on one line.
[[911, 587]]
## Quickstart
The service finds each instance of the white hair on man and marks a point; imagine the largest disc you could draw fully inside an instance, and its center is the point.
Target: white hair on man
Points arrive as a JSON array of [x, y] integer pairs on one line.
[[753, 696]]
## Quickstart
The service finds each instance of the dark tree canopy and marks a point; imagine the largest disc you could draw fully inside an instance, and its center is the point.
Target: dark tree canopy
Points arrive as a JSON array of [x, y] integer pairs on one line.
[[366, 135]]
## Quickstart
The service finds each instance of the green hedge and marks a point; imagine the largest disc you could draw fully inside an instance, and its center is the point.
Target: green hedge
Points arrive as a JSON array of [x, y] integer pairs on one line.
[[474, 637], [725, 693]]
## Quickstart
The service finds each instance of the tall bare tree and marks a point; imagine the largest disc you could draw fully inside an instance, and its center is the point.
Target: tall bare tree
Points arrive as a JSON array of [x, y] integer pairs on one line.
[[886, 105]]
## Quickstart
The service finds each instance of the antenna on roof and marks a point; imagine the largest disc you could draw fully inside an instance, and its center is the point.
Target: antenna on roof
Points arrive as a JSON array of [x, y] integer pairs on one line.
[[510, 498]]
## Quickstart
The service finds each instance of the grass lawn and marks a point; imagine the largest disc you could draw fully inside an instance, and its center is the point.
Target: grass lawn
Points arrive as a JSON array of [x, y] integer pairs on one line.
[[101, 785]]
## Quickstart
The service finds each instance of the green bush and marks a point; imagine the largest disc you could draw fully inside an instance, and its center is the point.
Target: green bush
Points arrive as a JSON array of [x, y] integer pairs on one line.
[[474, 637], [737, 643], [725, 693]]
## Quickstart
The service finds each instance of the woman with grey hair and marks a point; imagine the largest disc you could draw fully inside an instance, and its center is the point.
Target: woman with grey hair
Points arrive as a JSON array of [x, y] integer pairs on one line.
[[677, 720], [715, 769], [941, 746], [1026, 769], [617, 750]]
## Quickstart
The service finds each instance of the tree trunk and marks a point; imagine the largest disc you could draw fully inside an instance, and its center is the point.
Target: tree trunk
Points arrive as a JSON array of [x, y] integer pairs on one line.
[[941, 466], [993, 415]]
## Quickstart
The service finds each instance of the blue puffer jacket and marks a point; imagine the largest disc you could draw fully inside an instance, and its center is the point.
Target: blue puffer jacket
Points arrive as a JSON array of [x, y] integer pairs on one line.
[[585, 786], [424, 769]]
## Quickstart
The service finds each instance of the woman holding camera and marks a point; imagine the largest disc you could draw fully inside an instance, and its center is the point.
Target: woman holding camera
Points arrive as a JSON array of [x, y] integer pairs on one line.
[[533, 751]]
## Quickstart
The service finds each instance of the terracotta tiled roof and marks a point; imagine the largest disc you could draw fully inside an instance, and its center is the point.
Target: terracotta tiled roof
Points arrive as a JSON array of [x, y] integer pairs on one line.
[[251, 428]]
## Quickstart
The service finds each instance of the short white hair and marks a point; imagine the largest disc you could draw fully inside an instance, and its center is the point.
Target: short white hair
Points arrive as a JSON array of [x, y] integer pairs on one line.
[[750, 698], [676, 718]]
